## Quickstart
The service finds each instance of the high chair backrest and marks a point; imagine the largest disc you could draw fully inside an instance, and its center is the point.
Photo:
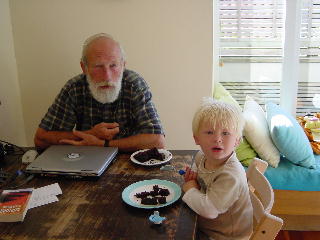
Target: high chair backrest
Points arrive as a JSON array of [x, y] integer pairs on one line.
[[266, 226]]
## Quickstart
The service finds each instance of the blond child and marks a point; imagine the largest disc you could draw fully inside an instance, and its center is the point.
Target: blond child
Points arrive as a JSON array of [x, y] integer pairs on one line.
[[216, 188]]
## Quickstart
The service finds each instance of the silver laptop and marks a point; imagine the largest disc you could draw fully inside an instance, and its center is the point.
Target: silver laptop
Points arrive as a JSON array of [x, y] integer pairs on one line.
[[73, 160]]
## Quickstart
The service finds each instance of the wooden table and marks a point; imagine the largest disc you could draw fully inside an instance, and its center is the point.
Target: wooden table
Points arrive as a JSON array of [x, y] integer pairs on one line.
[[94, 209]]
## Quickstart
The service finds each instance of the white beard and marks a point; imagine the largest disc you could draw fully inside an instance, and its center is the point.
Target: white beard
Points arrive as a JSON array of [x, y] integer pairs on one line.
[[105, 95]]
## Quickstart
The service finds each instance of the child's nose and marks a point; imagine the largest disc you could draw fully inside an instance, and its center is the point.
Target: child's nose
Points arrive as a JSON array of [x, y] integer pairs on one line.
[[217, 139]]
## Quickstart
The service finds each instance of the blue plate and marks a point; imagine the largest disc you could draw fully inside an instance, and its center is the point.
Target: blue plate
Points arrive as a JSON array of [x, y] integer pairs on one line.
[[147, 185]]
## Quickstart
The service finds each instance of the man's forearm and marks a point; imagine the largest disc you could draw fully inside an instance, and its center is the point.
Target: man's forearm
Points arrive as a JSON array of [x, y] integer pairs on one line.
[[138, 142], [44, 138]]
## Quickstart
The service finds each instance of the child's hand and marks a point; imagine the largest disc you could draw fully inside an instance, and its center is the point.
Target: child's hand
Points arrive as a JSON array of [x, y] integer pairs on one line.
[[190, 184], [190, 175]]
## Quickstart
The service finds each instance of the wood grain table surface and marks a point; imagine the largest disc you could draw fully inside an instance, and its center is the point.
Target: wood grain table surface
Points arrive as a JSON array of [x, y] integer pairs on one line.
[[94, 209]]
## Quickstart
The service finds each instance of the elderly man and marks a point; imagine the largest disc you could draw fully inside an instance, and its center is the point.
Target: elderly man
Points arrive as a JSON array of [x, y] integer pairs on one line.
[[107, 105]]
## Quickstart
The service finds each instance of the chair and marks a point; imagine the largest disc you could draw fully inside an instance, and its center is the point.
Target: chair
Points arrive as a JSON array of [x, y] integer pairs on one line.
[[265, 225]]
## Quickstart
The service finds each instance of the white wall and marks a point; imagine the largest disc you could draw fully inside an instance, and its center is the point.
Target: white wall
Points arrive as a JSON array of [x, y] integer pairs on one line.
[[11, 120], [168, 42]]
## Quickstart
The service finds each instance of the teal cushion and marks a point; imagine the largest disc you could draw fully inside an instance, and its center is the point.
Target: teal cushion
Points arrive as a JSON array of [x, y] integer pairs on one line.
[[289, 137]]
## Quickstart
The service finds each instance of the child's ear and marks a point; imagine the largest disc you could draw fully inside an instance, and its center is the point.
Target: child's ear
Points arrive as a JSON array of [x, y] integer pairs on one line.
[[196, 139], [237, 142]]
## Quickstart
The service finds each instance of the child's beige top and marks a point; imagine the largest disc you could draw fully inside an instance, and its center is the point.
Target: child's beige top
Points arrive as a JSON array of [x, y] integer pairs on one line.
[[223, 203]]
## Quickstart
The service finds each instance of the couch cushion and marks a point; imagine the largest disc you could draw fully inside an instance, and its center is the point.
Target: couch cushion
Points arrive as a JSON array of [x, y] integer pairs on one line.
[[257, 132], [245, 153], [220, 93], [289, 137]]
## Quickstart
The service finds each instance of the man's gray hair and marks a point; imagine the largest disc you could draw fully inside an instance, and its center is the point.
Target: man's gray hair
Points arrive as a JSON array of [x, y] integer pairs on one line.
[[89, 40]]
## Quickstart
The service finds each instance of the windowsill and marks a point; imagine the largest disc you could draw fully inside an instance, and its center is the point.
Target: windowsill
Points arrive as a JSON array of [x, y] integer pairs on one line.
[[262, 59]]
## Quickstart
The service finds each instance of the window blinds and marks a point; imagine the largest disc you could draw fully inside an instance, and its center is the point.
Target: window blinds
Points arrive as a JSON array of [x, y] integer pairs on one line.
[[310, 30], [253, 29]]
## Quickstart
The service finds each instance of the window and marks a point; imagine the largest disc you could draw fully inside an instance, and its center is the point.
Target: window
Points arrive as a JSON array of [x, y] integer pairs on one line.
[[252, 46], [310, 31], [252, 30]]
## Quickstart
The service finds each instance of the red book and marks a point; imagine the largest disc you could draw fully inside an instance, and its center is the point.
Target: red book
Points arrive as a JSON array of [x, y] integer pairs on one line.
[[14, 204]]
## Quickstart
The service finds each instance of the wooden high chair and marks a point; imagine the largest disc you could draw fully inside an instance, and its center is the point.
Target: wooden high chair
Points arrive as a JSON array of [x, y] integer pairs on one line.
[[265, 225]]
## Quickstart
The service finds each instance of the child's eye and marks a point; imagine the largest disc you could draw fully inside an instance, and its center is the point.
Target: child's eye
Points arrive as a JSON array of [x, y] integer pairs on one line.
[[209, 132], [225, 133]]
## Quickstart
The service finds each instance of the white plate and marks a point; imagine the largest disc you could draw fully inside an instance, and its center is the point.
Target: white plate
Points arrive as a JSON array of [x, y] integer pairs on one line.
[[152, 162], [128, 194]]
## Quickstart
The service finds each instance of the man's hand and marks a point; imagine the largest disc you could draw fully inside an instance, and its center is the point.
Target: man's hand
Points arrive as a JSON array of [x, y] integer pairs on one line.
[[190, 184], [105, 130], [86, 140]]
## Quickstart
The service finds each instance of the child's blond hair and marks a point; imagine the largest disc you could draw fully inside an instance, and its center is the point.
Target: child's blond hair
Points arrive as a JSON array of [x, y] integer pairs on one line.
[[214, 111]]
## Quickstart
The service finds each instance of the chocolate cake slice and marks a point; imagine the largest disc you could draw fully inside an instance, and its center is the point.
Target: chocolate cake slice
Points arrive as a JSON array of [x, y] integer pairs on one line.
[[149, 201], [152, 153], [164, 192], [142, 194], [162, 200], [156, 196]]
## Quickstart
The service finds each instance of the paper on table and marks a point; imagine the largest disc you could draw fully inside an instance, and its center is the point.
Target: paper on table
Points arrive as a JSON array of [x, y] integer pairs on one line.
[[45, 195]]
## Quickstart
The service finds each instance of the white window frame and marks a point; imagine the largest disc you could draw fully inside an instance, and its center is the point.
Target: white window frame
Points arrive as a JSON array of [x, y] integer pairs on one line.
[[291, 56]]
